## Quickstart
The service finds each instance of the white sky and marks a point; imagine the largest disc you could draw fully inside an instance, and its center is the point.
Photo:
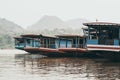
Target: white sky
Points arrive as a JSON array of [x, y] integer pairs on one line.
[[27, 12]]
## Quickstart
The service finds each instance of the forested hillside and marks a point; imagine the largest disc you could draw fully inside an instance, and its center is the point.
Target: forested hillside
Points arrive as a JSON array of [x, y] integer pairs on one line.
[[8, 30]]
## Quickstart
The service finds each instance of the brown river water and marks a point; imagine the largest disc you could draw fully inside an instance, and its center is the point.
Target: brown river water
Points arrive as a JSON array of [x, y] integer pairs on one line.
[[35, 67]]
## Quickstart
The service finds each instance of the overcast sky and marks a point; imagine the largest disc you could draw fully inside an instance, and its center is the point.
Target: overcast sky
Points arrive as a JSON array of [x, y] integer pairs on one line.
[[27, 12]]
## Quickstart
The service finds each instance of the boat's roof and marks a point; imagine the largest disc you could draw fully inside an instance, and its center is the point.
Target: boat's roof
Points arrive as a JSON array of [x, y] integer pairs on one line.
[[30, 36], [17, 37], [71, 35], [37, 36], [101, 24], [23, 38]]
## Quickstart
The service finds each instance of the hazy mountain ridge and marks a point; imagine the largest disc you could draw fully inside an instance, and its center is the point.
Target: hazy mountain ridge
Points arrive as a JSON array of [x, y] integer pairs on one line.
[[52, 25], [8, 27], [48, 22]]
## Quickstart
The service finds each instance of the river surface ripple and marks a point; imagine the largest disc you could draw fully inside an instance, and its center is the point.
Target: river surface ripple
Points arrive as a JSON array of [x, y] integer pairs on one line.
[[35, 67]]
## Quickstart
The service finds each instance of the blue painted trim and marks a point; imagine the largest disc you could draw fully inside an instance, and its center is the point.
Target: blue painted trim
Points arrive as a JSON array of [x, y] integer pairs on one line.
[[93, 41], [116, 42]]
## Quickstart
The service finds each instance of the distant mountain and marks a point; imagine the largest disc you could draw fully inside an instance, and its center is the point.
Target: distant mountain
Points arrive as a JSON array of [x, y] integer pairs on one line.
[[52, 25], [8, 30], [8, 27], [48, 22]]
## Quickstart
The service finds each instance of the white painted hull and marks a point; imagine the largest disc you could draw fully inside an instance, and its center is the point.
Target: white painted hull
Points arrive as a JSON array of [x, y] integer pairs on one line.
[[103, 48], [106, 51]]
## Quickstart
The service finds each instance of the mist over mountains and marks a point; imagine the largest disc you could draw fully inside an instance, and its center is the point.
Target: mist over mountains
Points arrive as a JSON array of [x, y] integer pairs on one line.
[[47, 25], [8, 27], [48, 22], [53, 25]]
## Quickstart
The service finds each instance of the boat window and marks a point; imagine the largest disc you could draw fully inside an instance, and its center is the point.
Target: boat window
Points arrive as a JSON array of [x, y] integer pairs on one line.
[[80, 41], [74, 42], [115, 34], [45, 43], [94, 33], [52, 41], [18, 41], [28, 41], [41, 41], [108, 33]]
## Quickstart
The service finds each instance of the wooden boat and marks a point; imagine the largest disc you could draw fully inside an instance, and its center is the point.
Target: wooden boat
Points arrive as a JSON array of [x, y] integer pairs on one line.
[[40, 44], [53, 46], [103, 39]]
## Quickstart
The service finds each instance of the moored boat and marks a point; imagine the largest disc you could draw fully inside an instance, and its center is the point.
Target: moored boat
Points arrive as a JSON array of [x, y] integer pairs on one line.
[[53, 46], [104, 39], [40, 44]]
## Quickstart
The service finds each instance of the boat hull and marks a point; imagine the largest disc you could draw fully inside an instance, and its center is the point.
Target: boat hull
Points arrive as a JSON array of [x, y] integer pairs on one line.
[[60, 52], [106, 51], [78, 50]]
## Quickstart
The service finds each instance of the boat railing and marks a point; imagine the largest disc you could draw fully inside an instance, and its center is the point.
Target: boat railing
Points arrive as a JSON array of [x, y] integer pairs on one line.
[[77, 45], [20, 45], [50, 45], [72, 46], [47, 45], [103, 41], [92, 41]]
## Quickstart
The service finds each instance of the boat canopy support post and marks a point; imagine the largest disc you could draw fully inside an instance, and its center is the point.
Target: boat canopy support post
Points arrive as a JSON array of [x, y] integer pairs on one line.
[[25, 42], [76, 42], [66, 43], [59, 43], [88, 32]]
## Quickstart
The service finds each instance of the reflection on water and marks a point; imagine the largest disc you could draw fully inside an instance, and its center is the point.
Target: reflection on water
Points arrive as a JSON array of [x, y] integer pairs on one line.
[[36, 67]]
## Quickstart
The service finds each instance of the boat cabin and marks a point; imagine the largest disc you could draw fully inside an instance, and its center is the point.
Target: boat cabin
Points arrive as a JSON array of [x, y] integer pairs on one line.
[[31, 40], [40, 41], [19, 43], [74, 41], [103, 33]]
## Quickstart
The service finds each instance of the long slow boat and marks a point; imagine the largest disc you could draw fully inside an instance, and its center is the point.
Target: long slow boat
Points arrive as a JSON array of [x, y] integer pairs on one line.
[[103, 39], [67, 45], [37, 43], [40, 44]]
